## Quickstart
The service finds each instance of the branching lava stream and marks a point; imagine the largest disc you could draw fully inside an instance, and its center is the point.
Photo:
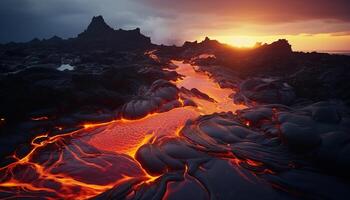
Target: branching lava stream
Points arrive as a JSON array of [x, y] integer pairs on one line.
[[87, 162]]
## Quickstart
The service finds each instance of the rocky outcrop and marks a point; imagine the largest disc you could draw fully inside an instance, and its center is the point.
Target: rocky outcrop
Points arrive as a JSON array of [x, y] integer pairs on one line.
[[280, 47], [160, 97], [99, 35], [96, 28], [318, 131], [264, 92]]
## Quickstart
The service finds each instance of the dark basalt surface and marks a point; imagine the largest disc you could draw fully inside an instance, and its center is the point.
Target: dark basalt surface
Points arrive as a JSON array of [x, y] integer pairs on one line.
[[292, 142], [282, 154], [264, 91], [161, 96]]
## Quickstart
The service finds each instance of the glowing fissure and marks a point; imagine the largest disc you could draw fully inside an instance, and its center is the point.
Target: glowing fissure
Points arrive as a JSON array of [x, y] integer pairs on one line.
[[87, 162]]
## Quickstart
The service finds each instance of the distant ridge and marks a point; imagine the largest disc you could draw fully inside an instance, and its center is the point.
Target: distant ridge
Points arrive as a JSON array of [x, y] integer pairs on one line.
[[98, 35], [338, 52]]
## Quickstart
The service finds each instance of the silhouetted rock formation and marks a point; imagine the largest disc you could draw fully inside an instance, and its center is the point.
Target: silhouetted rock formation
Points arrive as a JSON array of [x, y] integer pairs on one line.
[[96, 28], [276, 56], [206, 45], [99, 35], [279, 48]]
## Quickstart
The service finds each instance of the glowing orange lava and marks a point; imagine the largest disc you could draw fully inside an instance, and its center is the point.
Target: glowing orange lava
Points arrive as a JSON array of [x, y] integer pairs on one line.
[[87, 162], [126, 136], [201, 81]]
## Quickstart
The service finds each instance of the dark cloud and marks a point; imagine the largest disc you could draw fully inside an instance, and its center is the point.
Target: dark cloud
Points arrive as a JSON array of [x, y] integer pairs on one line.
[[22, 20], [168, 21]]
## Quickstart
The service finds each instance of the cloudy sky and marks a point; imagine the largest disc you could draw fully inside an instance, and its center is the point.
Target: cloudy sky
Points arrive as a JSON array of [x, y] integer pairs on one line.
[[308, 24]]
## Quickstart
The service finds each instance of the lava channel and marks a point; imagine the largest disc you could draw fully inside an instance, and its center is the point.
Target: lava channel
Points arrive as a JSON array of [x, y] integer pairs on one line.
[[87, 162]]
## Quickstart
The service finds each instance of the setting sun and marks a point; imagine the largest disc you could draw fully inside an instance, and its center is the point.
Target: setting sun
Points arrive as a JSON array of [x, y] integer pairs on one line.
[[300, 42], [240, 41]]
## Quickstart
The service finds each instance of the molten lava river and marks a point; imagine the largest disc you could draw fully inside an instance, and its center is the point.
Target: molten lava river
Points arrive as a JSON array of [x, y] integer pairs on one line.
[[101, 157]]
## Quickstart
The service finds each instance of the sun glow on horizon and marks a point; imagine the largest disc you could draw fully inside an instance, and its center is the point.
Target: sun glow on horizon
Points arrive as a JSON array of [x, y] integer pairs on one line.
[[299, 42], [240, 41]]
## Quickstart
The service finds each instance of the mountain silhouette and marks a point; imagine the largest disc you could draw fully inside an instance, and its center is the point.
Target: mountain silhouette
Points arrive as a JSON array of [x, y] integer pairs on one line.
[[99, 34], [97, 28]]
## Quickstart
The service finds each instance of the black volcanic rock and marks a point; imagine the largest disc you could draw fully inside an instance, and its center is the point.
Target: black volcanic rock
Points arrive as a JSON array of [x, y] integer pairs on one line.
[[264, 91], [161, 96], [96, 28], [100, 35], [205, 45], [279, 48]]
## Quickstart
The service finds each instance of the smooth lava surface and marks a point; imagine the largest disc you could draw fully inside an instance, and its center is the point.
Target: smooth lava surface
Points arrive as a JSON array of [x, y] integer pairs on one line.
[[201, 81]]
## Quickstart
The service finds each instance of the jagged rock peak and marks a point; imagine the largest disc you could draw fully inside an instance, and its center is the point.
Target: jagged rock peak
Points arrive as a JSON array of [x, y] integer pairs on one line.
[[100, 35], [98, 24], [55, 38], [97, 27]]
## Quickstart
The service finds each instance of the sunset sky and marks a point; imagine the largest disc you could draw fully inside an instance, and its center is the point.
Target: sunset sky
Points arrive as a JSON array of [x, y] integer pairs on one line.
[[308, 25]]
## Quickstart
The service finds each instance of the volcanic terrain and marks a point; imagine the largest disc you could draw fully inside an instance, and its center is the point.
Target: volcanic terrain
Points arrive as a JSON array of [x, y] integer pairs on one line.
[[109, 115]]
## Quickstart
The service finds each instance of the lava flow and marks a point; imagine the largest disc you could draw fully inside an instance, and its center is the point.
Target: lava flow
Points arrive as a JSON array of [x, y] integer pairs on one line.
[[87, 162], [201, 81]]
